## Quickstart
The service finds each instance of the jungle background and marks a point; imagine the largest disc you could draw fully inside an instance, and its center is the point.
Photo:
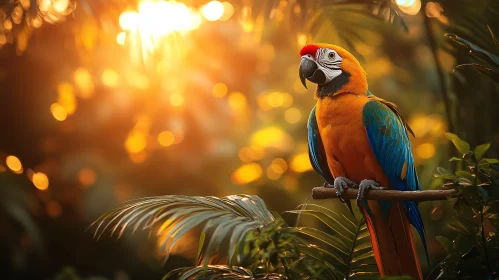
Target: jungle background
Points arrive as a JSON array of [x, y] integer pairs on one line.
[[107, 101]]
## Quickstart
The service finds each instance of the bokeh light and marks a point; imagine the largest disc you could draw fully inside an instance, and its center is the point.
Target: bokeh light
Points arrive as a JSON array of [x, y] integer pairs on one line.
[[425, 150], [410, 7], [220, 90], [120, 38], [213, 11], [135, 142], [14, 164], [247, 173], [58, 111], [228, 11], [166, 138], [237, 101], [177, 100], [40, 180], [83, 80], [292, 115], [405, 3], [87, 176], [301, 163], [110, 78]]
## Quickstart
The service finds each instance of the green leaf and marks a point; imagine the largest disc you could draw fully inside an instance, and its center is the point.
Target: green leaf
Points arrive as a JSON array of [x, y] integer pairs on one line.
[[455, 159], [442, 170], [446, 243], [465, 174], [482, 69], [475, 50], [345, 244], [489, 160], [446, 176], [481, 150], [458, 228], [328, 220], [217, 272], [462, 146], [492, 216], [328, 239]]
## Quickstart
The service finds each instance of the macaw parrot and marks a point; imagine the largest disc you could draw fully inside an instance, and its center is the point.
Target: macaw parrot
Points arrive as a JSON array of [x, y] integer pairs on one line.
[[356, 139]]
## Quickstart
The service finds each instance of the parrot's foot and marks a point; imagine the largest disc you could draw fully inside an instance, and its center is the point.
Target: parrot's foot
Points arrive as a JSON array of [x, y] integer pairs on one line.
[[340, 185], [367, 185]]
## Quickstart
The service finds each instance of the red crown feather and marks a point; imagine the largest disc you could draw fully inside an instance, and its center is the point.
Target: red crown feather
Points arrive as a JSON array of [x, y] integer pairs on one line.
[[309, 49]]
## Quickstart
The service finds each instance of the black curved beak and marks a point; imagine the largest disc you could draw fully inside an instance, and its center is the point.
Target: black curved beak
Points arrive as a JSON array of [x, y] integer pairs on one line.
[[309, 70]]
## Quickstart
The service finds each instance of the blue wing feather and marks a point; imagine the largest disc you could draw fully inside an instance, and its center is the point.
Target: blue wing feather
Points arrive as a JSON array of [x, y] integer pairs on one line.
[[316, 151], [390, 143]]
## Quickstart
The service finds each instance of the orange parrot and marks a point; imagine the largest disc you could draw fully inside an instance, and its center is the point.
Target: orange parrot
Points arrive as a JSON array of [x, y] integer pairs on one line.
[[359, 140]]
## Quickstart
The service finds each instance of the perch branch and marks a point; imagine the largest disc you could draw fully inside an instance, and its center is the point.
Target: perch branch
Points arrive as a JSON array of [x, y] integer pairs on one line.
[[324, 193]]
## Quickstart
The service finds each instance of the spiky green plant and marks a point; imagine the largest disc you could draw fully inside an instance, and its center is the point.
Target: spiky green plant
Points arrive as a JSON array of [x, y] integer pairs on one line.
[[240, 237], [489, 62]]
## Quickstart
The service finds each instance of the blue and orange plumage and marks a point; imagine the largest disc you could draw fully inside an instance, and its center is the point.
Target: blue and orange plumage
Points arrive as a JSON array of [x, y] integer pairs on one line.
[[357, 135]]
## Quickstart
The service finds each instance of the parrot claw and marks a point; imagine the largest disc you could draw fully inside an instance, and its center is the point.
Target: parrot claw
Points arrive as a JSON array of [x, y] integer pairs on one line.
[[368, 185], [340, 185]]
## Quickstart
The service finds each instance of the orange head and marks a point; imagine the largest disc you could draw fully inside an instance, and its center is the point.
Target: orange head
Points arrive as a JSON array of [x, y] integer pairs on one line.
[[333, 69]]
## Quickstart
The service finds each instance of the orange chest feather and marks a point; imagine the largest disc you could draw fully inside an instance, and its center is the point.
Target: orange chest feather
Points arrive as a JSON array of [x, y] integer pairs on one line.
[[344, 137]]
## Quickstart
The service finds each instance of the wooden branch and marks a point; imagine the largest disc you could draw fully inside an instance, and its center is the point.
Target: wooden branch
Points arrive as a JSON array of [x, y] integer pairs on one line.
[[324, 193]]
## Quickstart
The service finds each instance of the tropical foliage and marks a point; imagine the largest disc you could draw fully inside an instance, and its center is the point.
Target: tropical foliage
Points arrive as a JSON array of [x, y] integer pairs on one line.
[[491, 61], [242, 238], [473, 251]]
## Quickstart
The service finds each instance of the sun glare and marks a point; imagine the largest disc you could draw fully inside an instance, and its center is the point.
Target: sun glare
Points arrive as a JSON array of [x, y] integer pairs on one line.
[[151, 26], [405, 3], [410, 7]]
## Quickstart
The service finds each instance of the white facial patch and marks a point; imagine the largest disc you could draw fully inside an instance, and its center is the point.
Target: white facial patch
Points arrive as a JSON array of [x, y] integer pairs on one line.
[[329, 62]]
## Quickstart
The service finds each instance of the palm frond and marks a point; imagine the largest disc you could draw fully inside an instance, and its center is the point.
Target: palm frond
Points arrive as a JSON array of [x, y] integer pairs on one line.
[[343, 246], [226, 220], [490, 60], [213, 272], [469, 18]]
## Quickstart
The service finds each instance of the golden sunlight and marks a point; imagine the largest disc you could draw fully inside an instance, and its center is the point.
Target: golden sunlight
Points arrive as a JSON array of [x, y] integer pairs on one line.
[[213, 11], [150, 25], [410, 7], [405, 3], [157, 26]]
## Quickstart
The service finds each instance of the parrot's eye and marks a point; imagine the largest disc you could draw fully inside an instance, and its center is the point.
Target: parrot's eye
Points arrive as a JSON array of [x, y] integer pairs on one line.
[[331, 55]]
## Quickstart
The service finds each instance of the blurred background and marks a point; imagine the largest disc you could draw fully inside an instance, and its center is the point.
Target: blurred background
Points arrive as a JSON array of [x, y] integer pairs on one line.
[[107, 101]]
